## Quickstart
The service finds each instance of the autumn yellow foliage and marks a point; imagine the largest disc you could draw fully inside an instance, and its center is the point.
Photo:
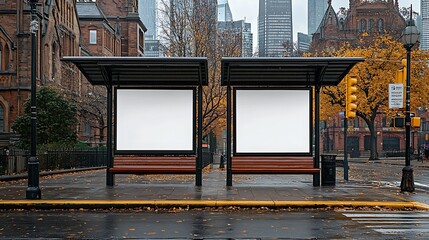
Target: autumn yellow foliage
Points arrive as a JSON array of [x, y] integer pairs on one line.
[[382, 60], [383, 56]]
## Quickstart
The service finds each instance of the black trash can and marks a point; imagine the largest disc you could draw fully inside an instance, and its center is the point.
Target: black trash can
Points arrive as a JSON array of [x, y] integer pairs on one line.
[[328, 170], [222, 162]]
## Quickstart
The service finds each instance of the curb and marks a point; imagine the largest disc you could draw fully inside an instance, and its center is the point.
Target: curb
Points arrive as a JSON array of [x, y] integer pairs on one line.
[[121, 204]]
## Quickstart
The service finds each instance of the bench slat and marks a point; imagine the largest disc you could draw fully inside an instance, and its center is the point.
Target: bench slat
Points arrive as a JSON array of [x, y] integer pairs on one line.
[[137, 162], [154, 164], [275, 171], [273, 165]]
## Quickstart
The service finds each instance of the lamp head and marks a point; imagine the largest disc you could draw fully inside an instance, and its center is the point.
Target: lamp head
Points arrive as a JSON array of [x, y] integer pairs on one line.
[[410, 35]]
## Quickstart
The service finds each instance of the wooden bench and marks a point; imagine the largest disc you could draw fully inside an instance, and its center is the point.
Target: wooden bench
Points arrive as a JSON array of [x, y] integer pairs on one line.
[[154, 164], [273, 165]]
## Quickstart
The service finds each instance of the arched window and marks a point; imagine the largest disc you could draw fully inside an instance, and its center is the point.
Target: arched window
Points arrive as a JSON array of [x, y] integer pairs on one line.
[[4, 56], [53, 60], [363, 25], [380, 25], [1, 119], [371, 27], [1, 57]]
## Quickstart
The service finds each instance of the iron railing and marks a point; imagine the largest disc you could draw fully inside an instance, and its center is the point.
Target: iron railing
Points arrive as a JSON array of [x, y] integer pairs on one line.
[[15, 161]]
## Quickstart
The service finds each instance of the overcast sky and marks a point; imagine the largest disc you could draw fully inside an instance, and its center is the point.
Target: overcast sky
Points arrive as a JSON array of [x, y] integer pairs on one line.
[[248, 9]]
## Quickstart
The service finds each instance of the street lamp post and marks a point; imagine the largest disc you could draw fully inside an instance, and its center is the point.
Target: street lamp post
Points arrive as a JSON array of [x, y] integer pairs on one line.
[[410, 37], [33, 190]]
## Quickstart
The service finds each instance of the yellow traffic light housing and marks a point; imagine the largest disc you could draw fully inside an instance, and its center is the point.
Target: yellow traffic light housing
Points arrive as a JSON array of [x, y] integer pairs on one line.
[[415, 122], [351, 98], [401, 77]]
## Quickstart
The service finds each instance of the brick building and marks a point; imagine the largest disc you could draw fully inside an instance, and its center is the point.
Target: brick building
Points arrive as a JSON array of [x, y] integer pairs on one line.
[[363, 16], [390, 140], [132, 29], [372, 18], [58, 35], [62, 32]]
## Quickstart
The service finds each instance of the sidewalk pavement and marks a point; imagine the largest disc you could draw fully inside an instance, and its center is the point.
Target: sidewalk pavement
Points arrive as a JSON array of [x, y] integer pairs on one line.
[[88, 190]]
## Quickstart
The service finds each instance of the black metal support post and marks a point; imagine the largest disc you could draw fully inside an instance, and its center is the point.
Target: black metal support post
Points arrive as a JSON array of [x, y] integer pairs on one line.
[[316, 164], [110, 177], [33, 190], [199, 173], [346, 159], [228, 137], [407, 183]]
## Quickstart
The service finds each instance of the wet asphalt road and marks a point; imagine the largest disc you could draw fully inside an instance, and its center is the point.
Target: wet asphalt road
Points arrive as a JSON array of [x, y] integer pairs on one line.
[[235, 224], [215, 224]]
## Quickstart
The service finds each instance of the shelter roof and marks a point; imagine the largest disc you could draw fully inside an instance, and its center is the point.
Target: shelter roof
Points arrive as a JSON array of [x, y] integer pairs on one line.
[[289, 71], [142, 71]]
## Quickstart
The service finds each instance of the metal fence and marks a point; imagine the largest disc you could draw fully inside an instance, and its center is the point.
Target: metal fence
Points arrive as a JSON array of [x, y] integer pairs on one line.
[[207, 157], [15, 161]]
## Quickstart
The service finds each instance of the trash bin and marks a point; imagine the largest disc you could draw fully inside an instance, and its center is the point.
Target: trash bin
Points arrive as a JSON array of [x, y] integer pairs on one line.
[[222, 162], [328, 170]]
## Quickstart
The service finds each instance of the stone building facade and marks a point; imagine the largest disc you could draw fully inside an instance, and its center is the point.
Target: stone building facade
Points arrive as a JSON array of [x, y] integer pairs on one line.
[[62, 32], [372, 17], [132, 29], [58, 36]]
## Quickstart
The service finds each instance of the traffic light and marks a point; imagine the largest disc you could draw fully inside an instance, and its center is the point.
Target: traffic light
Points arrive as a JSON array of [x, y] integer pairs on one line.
[[399, 122], [401, 77], [351, 98], [415, 122]]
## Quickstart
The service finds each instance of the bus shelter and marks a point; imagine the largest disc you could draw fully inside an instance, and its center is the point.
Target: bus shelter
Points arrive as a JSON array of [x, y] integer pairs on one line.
[[270, 107], [154, 113]]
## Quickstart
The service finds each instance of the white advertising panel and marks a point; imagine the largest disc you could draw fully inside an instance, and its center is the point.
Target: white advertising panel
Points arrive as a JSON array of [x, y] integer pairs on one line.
[[272, 121], [154, 120]]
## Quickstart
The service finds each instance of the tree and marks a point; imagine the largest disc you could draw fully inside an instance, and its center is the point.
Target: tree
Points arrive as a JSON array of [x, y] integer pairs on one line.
[[56, 120], [383, 57], [93, 108], [189, 29], [291, 49]]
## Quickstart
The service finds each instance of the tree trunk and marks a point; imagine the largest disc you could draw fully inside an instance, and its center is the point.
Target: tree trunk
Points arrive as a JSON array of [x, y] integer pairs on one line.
[[373, 139], [101, 128]]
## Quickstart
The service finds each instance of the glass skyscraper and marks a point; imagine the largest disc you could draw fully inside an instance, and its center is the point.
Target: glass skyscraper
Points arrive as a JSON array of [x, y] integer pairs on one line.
[[147, 13], [316, 11], [274, 27], [424, 35], [223, 11]]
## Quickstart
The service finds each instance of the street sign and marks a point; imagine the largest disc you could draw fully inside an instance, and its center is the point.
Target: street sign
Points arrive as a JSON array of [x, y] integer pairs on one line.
[[396, 95]]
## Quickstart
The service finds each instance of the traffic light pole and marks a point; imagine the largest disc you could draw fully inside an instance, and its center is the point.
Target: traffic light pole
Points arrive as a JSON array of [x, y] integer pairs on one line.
[[346, 161]]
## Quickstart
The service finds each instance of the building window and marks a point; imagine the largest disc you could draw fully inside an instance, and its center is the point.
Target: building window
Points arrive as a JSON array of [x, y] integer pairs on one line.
[[4, 56], [1, 57], [356, 122], [371, 26], [380, 25], [54, 60], [1, 119], [86, 129], [92, 36], [363, 25], [141, 40]]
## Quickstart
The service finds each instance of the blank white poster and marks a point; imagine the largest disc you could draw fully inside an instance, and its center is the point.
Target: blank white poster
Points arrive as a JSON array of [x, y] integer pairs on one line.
[[272, 121], [154, 119]]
